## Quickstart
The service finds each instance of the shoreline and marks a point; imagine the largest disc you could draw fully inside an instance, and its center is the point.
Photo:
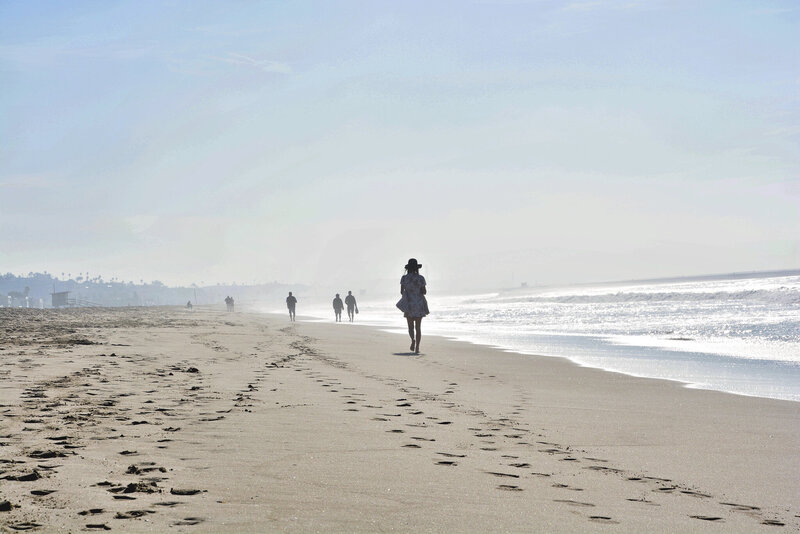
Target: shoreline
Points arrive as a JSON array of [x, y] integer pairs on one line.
[[208, 421], [315, 319]]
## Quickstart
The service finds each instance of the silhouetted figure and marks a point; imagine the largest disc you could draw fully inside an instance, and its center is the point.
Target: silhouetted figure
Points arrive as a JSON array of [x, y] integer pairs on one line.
[[291, 302], [338, 306], [189, 305], [229, 303], [412, 302], [352, 307]]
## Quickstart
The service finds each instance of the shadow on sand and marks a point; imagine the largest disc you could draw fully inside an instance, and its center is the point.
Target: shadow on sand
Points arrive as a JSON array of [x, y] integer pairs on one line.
[[406, 354]]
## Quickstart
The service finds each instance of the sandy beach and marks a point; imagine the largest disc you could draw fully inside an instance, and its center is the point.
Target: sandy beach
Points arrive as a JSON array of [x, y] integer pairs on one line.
[[167, 420]]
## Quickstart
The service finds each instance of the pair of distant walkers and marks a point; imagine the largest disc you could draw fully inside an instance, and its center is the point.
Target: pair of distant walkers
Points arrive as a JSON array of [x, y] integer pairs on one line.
[[229, 303], [338, 306]]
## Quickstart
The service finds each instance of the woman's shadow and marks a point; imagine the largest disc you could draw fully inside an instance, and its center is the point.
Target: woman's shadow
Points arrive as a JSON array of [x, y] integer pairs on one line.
[[406, 354]]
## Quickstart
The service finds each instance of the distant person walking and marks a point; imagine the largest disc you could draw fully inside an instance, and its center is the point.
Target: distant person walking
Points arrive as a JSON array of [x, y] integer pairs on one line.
[[352, 307], [291, 302], [338, 306], [229, 303], [412, 302]]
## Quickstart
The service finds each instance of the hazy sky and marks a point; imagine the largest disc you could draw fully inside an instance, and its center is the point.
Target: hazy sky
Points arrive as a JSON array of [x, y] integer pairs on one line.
[[327, 142]]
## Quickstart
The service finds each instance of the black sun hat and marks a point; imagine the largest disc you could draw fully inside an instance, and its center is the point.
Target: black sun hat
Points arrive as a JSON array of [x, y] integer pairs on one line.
[[412, 265]]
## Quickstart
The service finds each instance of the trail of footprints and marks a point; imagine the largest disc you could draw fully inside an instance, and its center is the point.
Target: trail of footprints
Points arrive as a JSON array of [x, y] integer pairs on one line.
[[84, 403], [82, 409], [84, 406], [405, 417]]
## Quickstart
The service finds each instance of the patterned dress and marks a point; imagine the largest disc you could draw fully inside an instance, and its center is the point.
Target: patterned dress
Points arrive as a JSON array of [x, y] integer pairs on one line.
[[412, 285]]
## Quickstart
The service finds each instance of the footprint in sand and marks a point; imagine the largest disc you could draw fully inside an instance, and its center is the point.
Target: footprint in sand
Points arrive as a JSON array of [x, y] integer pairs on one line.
[[186, 521], [132, 514], [643, 501], [566, 486], [603, 469], [696, 494], [177, 491], [92, 511], [498, 474], [42, 454], [574, 503], [27, 525], [508, 487], [136, 487], [741, 507], [706, 517], [447, 462], [602, 519], [30, 477]]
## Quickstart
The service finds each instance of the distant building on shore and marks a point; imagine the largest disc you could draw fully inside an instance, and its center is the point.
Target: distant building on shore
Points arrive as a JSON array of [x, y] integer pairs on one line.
[[59, 299]]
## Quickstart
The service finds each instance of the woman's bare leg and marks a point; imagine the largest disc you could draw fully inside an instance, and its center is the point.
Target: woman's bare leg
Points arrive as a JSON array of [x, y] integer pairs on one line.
[[411, 330], [418, 325]]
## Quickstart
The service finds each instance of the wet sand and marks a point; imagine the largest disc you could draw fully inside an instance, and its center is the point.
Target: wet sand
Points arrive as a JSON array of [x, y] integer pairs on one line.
[[165, 420]]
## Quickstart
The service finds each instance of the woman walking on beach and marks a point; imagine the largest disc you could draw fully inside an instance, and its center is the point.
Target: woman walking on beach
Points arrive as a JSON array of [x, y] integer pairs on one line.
[[412, 302]]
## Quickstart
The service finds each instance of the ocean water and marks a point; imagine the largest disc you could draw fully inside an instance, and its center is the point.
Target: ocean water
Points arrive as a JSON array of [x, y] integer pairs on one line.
[[739, 334]]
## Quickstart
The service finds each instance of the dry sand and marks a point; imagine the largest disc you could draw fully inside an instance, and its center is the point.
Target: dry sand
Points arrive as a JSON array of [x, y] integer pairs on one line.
[[165, 420]]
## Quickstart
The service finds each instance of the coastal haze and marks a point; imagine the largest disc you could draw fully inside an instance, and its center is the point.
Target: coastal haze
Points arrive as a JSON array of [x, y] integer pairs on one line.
[[325, 143]]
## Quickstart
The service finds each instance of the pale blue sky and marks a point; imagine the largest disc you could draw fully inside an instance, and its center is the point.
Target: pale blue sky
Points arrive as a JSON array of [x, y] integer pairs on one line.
[[326, 142]]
